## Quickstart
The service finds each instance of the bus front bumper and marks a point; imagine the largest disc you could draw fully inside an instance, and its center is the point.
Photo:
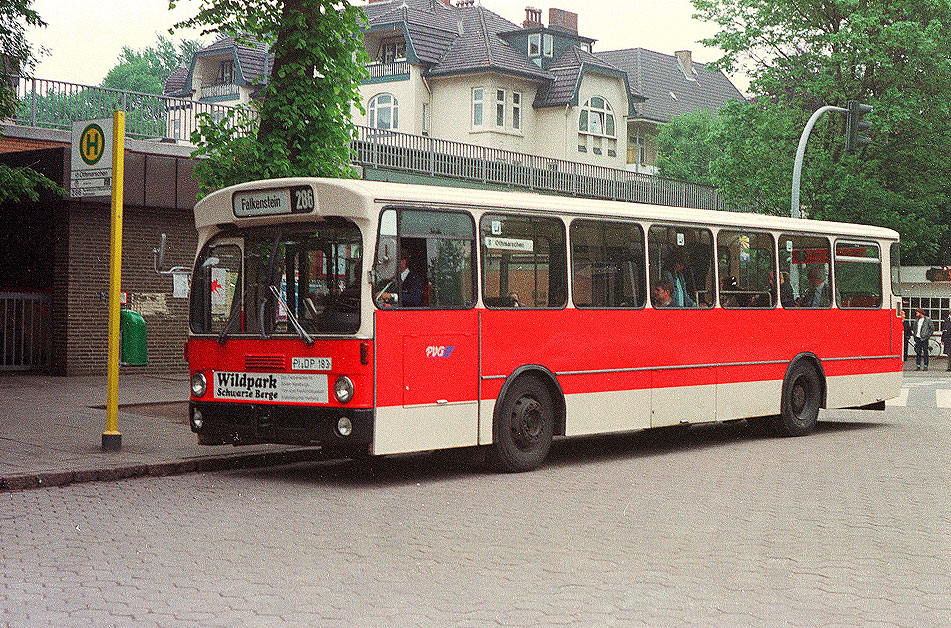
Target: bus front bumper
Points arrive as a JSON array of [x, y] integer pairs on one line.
[[254, 423]]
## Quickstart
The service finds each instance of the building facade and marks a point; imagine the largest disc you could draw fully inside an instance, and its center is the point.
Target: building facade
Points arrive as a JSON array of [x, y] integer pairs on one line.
[[461, 72]]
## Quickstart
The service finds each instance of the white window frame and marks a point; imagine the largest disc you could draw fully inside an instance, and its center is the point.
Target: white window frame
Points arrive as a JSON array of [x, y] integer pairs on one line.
[[478, 107], [534, 40], [597, 119], [500, 99], [374, 108], [548, 45], [517, 111]]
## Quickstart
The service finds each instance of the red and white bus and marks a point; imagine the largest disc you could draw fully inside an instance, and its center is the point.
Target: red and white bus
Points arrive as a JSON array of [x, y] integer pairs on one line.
[[381, 318]]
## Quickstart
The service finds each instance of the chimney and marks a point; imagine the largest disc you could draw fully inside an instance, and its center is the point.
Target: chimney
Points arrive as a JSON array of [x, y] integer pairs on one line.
[[559, 19], [465, 3], [685, 58], [533, 17]]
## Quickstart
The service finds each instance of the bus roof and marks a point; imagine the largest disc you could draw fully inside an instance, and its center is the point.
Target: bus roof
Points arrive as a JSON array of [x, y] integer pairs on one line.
[[347, 197]]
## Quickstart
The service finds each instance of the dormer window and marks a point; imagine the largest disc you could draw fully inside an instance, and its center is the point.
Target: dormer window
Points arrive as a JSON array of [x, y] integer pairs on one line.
[[392, 50], [540, 45], [534, 45]]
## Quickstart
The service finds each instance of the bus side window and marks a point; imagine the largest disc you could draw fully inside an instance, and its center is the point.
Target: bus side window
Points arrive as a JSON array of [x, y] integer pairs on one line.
[[858, 275], [607, 260], [438, 248], [747, 275], [682, 256], [805, 260], [524, 262]]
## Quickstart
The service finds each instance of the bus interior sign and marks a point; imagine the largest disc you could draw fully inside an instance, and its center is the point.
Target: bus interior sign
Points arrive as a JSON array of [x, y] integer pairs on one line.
[[298, 199]]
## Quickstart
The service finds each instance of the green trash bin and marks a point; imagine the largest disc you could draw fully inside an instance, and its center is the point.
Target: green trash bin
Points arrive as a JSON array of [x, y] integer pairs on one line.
[[133, 350]]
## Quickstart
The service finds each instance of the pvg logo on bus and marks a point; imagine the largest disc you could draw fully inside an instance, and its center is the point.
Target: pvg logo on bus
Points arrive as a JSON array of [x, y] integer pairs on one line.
[[433, 351]]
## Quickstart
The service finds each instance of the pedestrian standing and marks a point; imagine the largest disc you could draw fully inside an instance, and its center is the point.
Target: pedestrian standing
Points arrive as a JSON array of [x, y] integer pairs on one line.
[[922, 330], [946, 337]]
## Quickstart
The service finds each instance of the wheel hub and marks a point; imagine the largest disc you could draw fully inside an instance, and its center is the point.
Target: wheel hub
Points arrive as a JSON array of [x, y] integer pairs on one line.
[[526, 422]]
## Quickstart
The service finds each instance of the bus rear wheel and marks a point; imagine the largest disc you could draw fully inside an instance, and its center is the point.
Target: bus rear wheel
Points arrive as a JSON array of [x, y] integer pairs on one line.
[[802, 397], [524, 426]]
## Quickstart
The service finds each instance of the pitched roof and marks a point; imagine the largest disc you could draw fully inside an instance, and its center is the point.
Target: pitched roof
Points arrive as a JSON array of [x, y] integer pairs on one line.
[[454, 39], [175, 82], [668, 90], [568, 70]]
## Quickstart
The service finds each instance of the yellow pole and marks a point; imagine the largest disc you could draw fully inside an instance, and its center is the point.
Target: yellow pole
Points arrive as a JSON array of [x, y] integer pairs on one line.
[[111, 438]]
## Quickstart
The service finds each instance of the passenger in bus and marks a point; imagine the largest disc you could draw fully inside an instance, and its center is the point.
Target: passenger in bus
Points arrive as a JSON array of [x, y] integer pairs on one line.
[[819, 294], [674, 273], [513, 300], [786, 296], [411, 288], [663, 294]]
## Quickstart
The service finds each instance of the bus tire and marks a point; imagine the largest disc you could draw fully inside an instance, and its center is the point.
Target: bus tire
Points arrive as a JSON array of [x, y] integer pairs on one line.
[[524, 426], [801, 399]]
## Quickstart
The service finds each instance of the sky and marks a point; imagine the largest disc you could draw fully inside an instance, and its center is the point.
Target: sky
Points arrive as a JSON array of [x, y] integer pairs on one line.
[[84, 37]]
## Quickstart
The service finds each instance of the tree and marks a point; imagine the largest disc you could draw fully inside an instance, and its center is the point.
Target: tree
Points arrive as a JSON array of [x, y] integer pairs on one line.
[[687, 148], [801, 55], [146, 70], [16, 58], [301, 126]]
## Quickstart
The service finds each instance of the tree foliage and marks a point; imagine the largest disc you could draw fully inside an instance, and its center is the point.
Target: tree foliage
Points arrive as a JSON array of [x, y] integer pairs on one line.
[[301, 126], [17, 58], [147, 69], [802, 55]]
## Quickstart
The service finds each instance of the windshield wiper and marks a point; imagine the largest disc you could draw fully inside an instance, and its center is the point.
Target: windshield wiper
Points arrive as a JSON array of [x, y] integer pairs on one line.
[[235, 309], [290, 315]]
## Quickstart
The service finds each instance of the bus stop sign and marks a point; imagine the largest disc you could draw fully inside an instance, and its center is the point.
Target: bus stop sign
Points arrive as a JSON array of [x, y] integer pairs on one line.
[[91, 163]]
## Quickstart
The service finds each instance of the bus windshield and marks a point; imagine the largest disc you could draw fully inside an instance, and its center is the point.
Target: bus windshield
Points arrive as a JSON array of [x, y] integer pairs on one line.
[[244, 279]]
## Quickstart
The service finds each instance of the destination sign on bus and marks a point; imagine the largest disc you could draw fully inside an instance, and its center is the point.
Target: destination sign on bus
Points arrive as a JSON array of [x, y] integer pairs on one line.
[[293, 200], [277, 387]]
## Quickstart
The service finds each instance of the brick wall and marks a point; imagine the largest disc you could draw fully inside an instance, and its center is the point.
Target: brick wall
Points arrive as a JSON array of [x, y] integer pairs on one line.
[[150, 294]]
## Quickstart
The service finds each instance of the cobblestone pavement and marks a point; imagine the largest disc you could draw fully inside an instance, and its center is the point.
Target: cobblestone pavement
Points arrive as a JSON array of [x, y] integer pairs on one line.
[[712, 526]]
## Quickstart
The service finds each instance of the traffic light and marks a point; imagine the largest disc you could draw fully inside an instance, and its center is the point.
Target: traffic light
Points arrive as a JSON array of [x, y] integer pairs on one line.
[[856, 127]]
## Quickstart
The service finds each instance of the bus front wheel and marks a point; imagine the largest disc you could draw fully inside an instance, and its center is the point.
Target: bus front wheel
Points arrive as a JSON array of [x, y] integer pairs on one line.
[[524, 426], [802, 397]]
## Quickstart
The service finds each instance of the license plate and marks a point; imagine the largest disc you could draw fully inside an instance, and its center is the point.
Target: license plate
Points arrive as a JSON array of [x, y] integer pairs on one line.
[[310, 364]]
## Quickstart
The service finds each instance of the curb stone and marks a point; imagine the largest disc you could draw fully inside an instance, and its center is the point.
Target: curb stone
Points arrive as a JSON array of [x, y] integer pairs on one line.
[[160, 469]]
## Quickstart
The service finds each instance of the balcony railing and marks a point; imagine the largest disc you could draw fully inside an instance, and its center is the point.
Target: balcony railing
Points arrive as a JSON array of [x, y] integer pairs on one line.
[[56, 104], [375, 148], [380, 70], [220, 90]]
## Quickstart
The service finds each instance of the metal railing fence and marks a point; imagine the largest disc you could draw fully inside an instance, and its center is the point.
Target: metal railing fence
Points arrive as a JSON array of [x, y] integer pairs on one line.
[[56, 104], [26, 339], [435, 157]]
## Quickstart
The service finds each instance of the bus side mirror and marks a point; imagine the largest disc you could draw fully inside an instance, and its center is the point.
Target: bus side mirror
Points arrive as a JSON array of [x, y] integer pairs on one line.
[[158, 256]]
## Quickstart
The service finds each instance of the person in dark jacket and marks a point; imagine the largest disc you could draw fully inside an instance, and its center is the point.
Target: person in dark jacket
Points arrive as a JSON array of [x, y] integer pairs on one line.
[[946, 337], [922, 329], [411, 288]]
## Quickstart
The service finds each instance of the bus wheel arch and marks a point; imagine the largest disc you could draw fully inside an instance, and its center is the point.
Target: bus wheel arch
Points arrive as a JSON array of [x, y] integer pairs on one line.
[[803, 394], [529, 412]]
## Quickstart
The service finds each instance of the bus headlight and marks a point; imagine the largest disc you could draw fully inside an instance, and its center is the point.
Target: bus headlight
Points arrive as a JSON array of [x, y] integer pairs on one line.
[[198, 421], [199, 384], [344, 426], [343, 389]]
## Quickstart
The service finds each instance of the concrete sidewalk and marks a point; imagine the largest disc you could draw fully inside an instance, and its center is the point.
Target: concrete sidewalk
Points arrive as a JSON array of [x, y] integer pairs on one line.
[[51, 432]]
